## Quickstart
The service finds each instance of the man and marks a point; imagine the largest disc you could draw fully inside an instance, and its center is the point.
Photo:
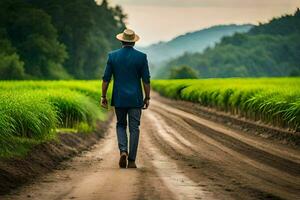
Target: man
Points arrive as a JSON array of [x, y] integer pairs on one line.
[[128, 67]]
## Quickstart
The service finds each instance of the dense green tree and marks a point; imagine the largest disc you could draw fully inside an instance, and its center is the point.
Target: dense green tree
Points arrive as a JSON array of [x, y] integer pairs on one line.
[[284, 25], [295, 73], [183, 72], [31, 32], [11, 67], [87, 29]]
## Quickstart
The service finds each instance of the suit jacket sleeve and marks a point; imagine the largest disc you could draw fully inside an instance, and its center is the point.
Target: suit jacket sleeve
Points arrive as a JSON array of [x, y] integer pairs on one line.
[[108, 70], [145, 71]]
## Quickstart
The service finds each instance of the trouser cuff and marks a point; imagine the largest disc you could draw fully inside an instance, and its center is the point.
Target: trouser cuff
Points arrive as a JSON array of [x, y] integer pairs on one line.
[[121, 151]]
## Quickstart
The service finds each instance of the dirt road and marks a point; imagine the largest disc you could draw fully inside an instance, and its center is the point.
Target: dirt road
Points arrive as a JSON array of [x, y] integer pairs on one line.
[[181, 156]]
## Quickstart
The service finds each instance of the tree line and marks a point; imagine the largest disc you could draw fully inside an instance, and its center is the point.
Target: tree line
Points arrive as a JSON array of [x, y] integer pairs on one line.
[[270, 49], [54, 39]]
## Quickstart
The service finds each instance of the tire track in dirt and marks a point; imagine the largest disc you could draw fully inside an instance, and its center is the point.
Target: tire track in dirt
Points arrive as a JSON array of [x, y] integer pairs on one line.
[[174, 178], [246, 151], [273, 179]]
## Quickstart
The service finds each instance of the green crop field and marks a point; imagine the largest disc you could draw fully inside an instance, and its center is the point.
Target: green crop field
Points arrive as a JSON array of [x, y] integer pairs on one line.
[[32, 112], [275, 101]]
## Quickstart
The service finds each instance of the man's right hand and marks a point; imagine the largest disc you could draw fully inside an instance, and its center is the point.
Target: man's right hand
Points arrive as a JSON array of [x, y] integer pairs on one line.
[[104, 102]]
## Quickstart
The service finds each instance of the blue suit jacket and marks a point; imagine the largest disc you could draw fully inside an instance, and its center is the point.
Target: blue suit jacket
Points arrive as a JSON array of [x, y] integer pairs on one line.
[[128, 67]]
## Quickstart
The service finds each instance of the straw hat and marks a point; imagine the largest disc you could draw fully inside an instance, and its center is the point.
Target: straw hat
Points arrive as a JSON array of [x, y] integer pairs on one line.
[[128, 35]]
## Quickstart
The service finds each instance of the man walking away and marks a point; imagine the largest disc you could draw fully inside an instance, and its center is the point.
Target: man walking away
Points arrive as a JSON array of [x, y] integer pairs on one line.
[[128, 67]]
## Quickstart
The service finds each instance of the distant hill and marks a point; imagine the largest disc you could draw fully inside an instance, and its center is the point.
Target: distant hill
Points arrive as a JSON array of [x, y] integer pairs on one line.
[[269, 49], [191, 42]]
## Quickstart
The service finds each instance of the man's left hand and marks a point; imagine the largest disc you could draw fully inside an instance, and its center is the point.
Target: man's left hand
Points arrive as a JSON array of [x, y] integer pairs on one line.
[[104, 102], [146, 103]]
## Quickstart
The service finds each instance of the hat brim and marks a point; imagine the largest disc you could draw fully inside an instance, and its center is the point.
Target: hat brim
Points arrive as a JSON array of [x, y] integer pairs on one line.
[[121, 38]]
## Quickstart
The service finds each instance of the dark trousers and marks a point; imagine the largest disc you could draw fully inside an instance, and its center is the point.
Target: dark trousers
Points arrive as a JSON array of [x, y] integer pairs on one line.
[[134, 117]]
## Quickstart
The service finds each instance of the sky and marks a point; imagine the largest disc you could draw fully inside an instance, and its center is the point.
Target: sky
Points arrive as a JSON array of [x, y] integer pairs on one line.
[[162, 20]]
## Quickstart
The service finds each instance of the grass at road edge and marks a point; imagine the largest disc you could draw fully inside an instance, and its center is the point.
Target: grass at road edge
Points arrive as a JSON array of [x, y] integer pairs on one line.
[[33, 112], [273, 101]]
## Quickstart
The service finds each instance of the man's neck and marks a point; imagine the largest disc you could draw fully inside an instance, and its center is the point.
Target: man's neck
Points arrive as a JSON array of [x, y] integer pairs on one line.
[[124, 46]]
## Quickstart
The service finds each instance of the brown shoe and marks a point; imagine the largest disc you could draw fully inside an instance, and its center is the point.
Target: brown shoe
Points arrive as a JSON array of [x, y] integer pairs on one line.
[[131, 164], [123, 160]]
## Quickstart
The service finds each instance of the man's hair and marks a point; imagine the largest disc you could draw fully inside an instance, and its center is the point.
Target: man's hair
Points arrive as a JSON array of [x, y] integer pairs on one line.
[[128, 43]]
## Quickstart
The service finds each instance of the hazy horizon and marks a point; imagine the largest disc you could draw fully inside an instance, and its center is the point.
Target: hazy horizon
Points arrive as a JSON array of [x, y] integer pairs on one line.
[[157, 21]]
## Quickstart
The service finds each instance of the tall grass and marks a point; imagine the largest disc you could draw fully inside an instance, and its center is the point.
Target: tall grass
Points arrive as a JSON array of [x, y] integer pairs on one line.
[[26, 115], [88, 88], [73, 108], [32, 111], [274, 101]]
